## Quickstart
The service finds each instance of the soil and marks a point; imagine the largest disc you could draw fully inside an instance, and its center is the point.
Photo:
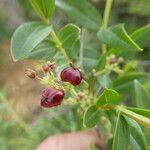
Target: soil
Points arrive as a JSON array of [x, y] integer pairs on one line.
[[23, 91]]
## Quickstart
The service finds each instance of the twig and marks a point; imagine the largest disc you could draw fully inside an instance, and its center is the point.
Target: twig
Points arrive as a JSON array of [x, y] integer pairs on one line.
[[82, 48], [106, 19]]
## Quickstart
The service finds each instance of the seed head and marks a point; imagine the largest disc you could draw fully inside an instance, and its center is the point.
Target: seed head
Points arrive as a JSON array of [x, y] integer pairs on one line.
[[30, 73], [51, 64]]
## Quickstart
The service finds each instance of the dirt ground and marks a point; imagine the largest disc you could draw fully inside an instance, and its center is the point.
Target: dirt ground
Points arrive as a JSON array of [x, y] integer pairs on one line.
[[23, 91]]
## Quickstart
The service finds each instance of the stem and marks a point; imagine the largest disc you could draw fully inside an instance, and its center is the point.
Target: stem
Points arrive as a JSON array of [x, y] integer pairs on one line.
[[121, 109], [100, 72], [74, 92], [107, 13], [81, 48], [57, 42], [105, 20], [59, 45], [139, 118]]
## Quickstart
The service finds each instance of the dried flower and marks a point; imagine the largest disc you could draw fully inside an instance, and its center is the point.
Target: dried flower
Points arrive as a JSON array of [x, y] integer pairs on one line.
[[30, 73], [51, 64]]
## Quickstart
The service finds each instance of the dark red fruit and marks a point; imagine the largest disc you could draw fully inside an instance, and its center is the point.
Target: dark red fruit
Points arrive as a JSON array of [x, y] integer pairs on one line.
[[52, 97], [45, 67], [71, 75]]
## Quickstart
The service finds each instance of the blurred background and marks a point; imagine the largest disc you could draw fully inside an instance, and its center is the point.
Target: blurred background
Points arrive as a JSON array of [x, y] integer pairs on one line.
[[23, 123]]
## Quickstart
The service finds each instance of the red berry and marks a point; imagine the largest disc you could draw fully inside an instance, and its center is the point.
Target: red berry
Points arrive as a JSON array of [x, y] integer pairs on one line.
[[71, 75], [52, 97], [45, 67]]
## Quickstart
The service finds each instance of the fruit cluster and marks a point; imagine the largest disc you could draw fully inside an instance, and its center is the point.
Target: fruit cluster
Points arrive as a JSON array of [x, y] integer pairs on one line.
[[53, 96]]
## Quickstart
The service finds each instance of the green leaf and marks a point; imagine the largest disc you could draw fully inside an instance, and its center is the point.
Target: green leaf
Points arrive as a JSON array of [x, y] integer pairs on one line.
[[78, 10], [142, 98], [101, 62], [124, 83], [137, 133], [74, 51], [91, 116], [68, 36], [134, 144], [117, 37], [27, 37], [121, 136], [104, 80], [44, 8], [90, 57], [112, 116], [89, 63], [138, 118], [44, 51], [140, 111], [141, 35], [109, 96]]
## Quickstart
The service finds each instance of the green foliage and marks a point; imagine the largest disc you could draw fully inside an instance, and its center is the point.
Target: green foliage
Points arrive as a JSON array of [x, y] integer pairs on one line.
[[68, 36], [141, 36], [102, 62], [143, 112], [44, 9], [116, 37], [90, 58], [121, 135], [107, 79], [43, 51], [109, 96], [79, 11], [91, 116], [137, 135], [140, 118], [27, 37], [142, 97], [125, 83]]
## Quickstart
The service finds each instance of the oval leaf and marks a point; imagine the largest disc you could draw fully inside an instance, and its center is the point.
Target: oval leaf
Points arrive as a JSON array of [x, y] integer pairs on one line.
[[78, 10], [142, 98], [116, 37], [43, 51], [137, 133], [125, 82], [27, 37], [109, 96], [91, 116], [141, 35], [121, 136], [90, 58], [44, 8], [68, 36]]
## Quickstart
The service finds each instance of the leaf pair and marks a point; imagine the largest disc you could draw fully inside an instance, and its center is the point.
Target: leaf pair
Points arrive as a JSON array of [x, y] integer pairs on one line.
[[29, 40], [127, 131], [116, 37]]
